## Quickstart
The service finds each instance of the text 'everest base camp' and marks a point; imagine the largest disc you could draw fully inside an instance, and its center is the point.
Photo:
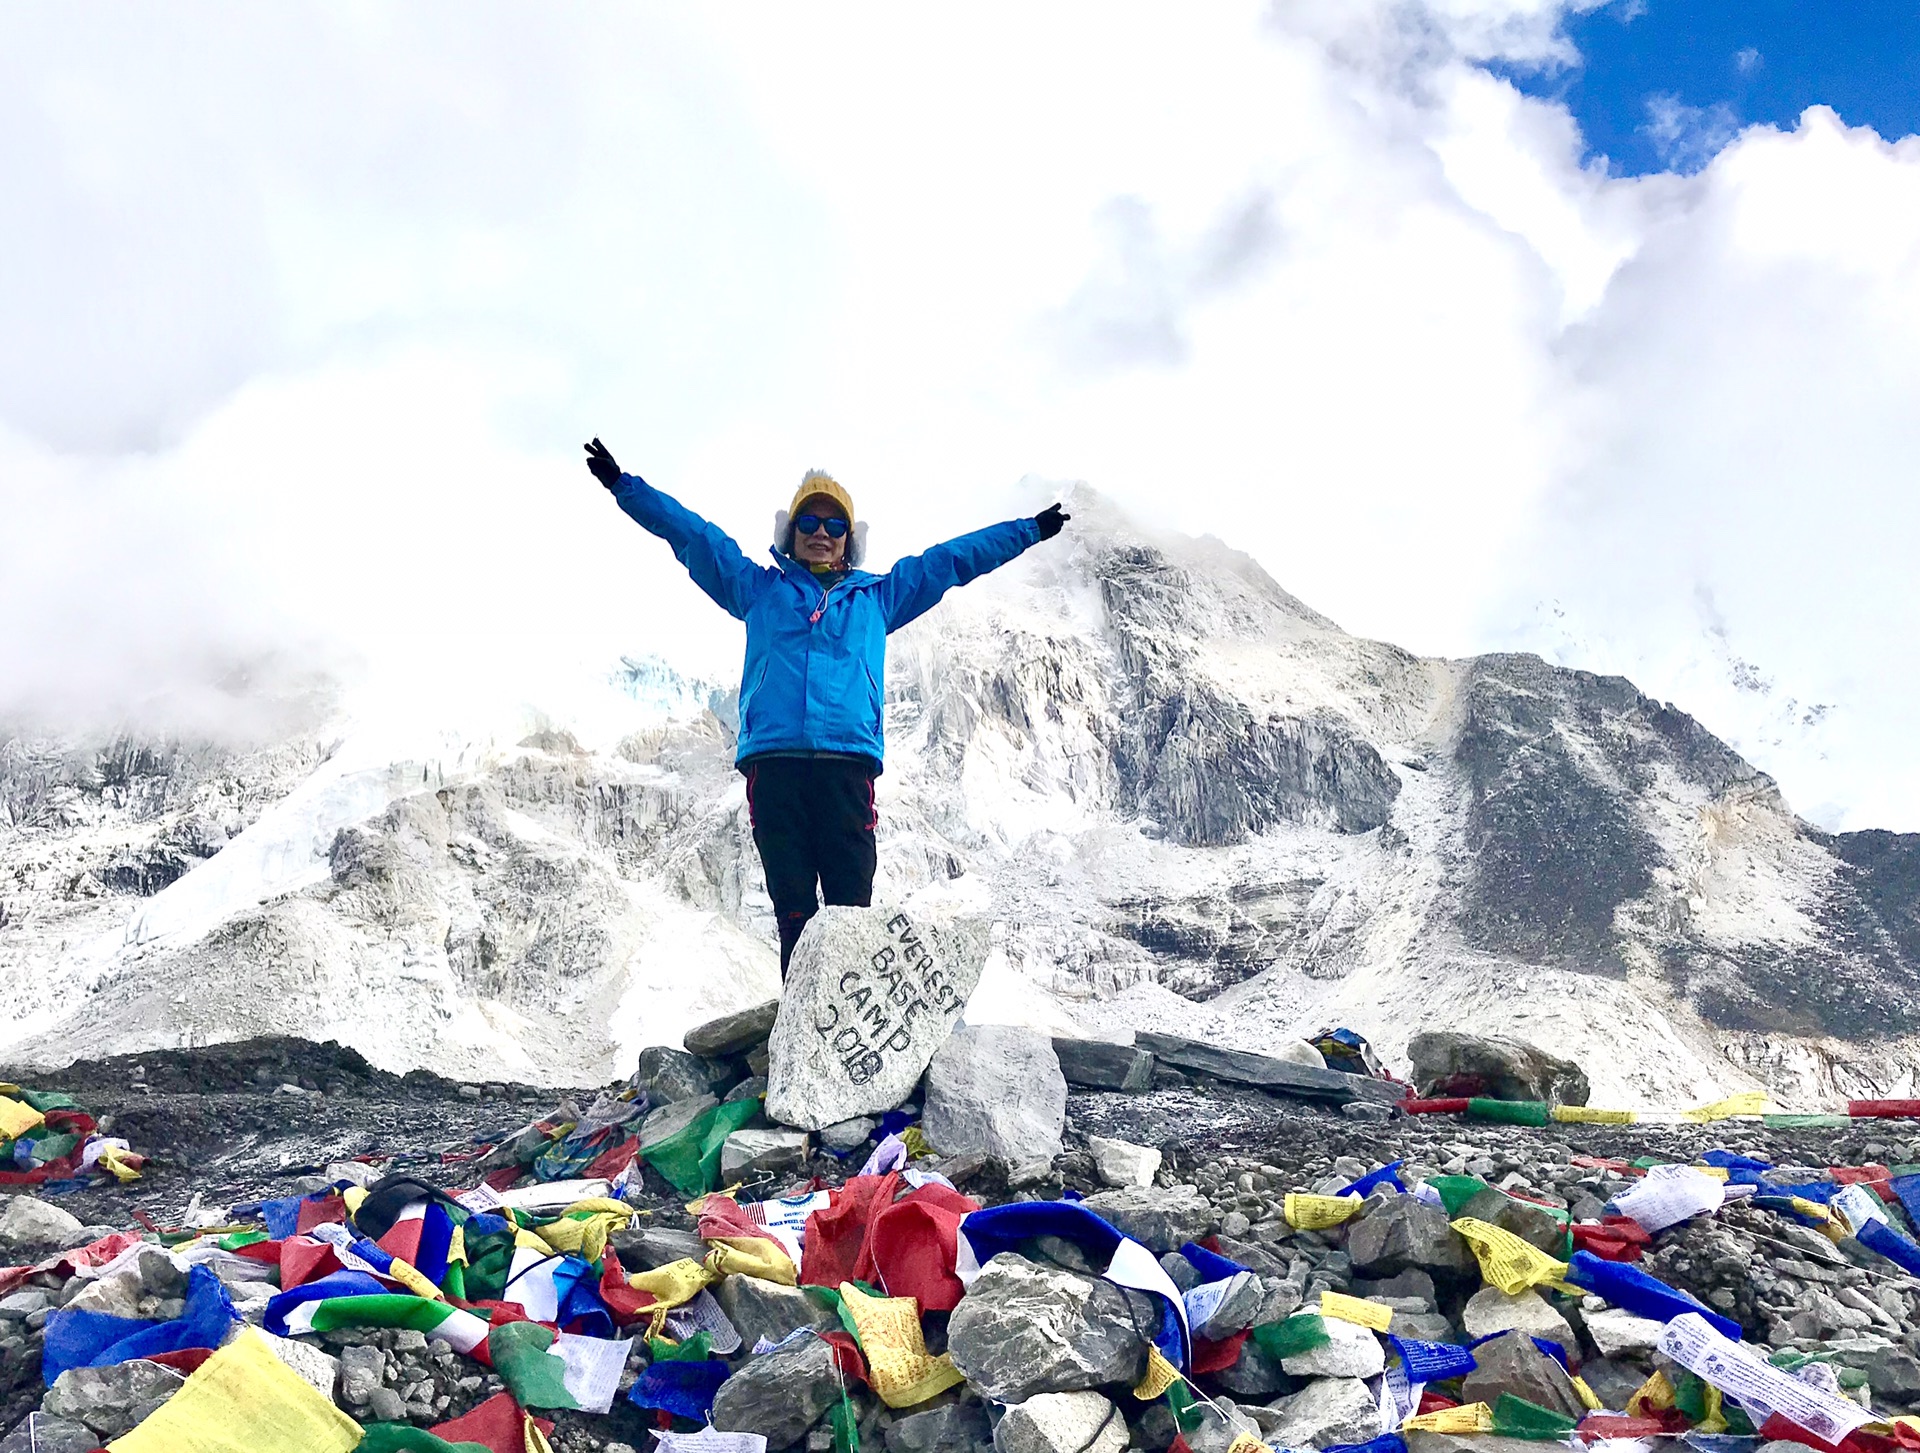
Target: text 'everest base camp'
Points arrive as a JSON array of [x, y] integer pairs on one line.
[[1258, 1038]]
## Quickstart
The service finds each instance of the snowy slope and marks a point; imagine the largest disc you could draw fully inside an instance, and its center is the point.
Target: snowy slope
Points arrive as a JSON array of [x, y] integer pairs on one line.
[[1185, 800]]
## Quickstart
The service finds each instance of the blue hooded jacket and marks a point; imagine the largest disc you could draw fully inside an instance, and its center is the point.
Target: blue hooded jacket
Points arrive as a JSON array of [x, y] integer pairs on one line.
[[816, 668]]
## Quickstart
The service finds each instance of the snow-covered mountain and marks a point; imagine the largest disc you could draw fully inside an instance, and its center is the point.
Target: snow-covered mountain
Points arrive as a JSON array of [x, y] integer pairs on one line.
[[1184, 799]]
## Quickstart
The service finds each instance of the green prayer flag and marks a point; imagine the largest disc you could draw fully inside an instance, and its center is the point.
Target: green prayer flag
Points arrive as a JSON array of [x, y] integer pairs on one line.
[[1510, 1112], [1515, 1417], [1290, 1336], [405, 1438], [690, 1157], [1456, 1191]]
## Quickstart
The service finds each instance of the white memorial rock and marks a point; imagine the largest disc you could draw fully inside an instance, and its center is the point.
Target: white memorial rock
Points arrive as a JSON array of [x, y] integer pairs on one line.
[[871, 993]]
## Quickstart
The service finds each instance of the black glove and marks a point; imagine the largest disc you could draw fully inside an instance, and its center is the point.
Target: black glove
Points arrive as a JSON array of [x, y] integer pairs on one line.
[[1050, 520], [602, 465]]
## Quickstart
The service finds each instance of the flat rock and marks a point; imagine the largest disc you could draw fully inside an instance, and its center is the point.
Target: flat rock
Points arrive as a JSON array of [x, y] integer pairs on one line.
[[1096, 1065], [1401, 1232], [30, 1221], [669, 1075], [849, 1134], [1264, 1070], [1511, 1363], [1122, 1163], [1062, 1422], [362, 1369], [750, 1152], [1161, 1218], [871, 993], [1024, 1329], [996, 1089], [1491, 1310], [111, 1400], [780, 1395], [1493, 1443], [956, 1427], [671, 1119], [1615, 1332], [1332, 1410], [1353, 1351], [732, 1034], [1447, 1062], [766, 1309]]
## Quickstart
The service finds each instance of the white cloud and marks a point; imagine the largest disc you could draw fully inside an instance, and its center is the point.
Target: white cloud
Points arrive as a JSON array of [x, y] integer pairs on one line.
[[308, 311]]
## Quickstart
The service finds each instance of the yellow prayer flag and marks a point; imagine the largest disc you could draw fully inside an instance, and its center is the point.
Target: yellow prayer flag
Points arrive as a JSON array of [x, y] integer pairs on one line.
[[1711, 1172], [114, 1159], [1716, 1419], [1810, 1208], [532, 1439], [1655, 1396], [898, 1367], [243, 1399], [1506, 1261], [1356, 1309], [1748, 1102], [1588, 1397], [1473, 1418], [1587, 1115], [1316, 1213], [1247, 1443], [673, 1284], [751, 1256], [17, 1118], [1159, 1376], [353, 1196], [414, 1281], [583, 1228]]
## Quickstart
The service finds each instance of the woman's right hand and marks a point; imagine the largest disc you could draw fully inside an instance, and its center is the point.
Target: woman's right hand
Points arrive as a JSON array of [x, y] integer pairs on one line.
[[602, 465]]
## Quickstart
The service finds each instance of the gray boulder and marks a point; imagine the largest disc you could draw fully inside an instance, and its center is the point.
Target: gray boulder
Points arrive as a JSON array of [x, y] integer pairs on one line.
[[871, 993], [996, 1090], [1332, 1410], [1401, 1232], [1024, 1329], [734, 1034], [30, 1221], [780, 1395], [669, 1120], [956, 1427], [1097, 1065], [655, 1247], [1350, 1351], [363, 1368], [1511, 1363], [766, 1309], [1062, 1422], [1616, 1333], [750, 1152], [1254, 1375], [1535, 1225], [38, 1433], [1121, 1162], [849, 1135], [1161, 1218], [1446, 1062], [671, 1075], [111, 1400]]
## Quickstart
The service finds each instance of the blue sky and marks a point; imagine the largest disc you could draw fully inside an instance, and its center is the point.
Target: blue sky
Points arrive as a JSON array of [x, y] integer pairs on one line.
[[1663, 84]]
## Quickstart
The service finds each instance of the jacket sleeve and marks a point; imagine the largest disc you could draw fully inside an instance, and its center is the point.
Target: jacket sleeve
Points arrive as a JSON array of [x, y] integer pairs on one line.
[[713, 560], [914, 585]]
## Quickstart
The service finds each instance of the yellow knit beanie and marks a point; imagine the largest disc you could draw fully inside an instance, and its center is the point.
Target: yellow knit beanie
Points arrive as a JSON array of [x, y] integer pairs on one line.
[[818, 482]]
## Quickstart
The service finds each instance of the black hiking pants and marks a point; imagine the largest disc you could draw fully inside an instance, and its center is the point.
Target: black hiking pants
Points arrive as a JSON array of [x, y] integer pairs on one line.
[[813, 821]]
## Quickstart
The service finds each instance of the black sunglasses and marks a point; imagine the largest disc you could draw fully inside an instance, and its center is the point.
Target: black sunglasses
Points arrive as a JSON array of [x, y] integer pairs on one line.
[[833, 524]]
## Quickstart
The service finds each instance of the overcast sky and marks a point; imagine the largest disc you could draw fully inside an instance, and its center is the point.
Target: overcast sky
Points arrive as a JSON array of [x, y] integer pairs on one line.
[[306, 308]]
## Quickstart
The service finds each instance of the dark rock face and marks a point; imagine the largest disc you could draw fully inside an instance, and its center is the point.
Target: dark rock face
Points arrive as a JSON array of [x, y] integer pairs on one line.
[[734, 1034], [1281, 1076], [1099, 1066], [1511, 1363], [1450, 1063], [1204, 765], [780, 1395], [1550, 756], [1403, 1233]]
